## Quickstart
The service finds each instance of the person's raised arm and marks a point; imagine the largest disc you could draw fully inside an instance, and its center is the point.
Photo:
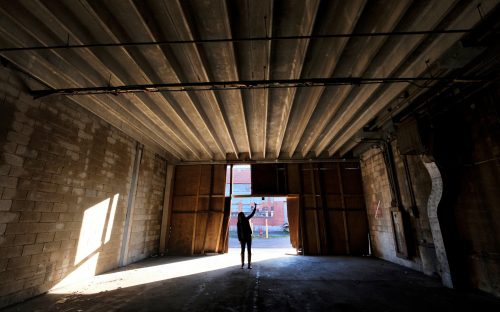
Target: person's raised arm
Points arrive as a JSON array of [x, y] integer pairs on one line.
[[253, 212]]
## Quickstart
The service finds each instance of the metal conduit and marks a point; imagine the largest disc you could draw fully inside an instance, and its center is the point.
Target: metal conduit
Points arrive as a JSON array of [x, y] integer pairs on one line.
[[243, 84], [222, 40]]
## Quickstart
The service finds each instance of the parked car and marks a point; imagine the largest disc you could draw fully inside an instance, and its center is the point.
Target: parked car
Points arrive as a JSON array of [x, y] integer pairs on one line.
[[285, 227]]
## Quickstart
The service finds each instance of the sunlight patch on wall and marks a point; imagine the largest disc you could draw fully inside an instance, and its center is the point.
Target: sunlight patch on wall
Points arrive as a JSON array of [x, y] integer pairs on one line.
[[111, 219], [96, 219], [84, 271], [91, 231]]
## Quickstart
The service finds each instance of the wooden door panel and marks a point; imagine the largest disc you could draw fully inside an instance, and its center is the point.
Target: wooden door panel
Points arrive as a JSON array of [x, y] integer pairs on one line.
[[197, 209]]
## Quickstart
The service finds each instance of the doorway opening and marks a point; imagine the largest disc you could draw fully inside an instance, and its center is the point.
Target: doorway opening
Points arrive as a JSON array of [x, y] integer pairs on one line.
[[269, 224]]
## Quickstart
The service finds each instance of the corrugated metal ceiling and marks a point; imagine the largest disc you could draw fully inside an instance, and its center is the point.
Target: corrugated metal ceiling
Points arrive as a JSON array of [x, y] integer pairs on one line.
[[318, 84]]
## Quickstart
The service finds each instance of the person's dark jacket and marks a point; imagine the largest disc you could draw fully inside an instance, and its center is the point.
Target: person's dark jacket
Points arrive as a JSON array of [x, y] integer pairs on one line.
[[244, 229]]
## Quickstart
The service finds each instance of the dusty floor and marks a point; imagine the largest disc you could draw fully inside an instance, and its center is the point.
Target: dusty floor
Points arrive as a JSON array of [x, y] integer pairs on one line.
[[277, 282]]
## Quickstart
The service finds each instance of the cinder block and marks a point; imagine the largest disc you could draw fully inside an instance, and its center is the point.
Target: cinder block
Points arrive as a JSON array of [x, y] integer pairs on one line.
[[46, 187], [6, 181], [25, 272], [9, 147], [34, 165], [49, 217], [27, 130], [78, 191], [4, 169], [40, 259], [32, 249], [51, 246], [90, 193], [27, 184], [75, 234], [16, 171], [5, 204], [10, 288], [68, 244], [7, 217], [63, 235], [73, 155], [72, 225], [23, 205], [30, 216], [69, 146], [63, 189], [3, 227], [68, 216], [49, 157], [18, 138], [60, 207], [44, 206], [21, 150], [53, 167], [12, 159], [44, 196], [55, 148], [44, 237], [21, 117], [32, 282], [24, 239], [3, 264], [18, 262], [42, 227], [10, 252]]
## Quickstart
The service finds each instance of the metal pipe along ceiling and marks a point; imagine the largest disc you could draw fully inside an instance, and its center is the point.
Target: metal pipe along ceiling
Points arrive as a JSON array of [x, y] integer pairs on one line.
[[246, 84], [225, 40]]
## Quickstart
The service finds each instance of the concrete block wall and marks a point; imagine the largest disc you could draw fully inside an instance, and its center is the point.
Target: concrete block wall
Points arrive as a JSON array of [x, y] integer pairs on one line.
[[463, 142], [64, 181], [378, 202], [146, 222], [378, 207]]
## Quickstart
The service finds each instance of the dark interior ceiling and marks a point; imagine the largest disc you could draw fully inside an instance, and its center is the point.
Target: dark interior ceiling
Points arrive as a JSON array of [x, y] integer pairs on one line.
[[239, 80]]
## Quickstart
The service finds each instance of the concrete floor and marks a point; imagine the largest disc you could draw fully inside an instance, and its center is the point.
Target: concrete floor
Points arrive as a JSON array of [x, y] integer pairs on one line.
[[277, 282]]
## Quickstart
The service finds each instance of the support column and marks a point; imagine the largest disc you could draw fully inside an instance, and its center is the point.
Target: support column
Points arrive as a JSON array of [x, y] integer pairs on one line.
[[167, 199], [130, 205]]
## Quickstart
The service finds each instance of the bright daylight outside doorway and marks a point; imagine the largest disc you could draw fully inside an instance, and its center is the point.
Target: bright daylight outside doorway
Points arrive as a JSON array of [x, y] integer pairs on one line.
[[270, 222]]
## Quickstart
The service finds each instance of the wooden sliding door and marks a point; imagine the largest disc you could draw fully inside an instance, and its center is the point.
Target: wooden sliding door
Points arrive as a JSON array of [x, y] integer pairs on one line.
[[197, 210]]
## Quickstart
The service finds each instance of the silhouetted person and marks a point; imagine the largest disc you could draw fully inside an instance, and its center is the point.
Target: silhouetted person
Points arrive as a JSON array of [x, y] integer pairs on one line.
[[245, 236]]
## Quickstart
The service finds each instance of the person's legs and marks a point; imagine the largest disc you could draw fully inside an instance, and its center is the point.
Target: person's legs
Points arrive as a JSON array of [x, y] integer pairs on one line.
[[242, 243], [249, 246]]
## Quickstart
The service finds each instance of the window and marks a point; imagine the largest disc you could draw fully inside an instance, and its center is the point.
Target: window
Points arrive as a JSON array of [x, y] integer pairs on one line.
[[242, 184]]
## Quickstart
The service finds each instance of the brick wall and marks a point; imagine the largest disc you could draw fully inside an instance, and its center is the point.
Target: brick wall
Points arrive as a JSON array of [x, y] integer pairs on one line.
[[64, 181]]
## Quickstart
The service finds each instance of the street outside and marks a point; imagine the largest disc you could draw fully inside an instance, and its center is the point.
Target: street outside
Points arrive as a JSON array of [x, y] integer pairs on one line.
[[275, 240]]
